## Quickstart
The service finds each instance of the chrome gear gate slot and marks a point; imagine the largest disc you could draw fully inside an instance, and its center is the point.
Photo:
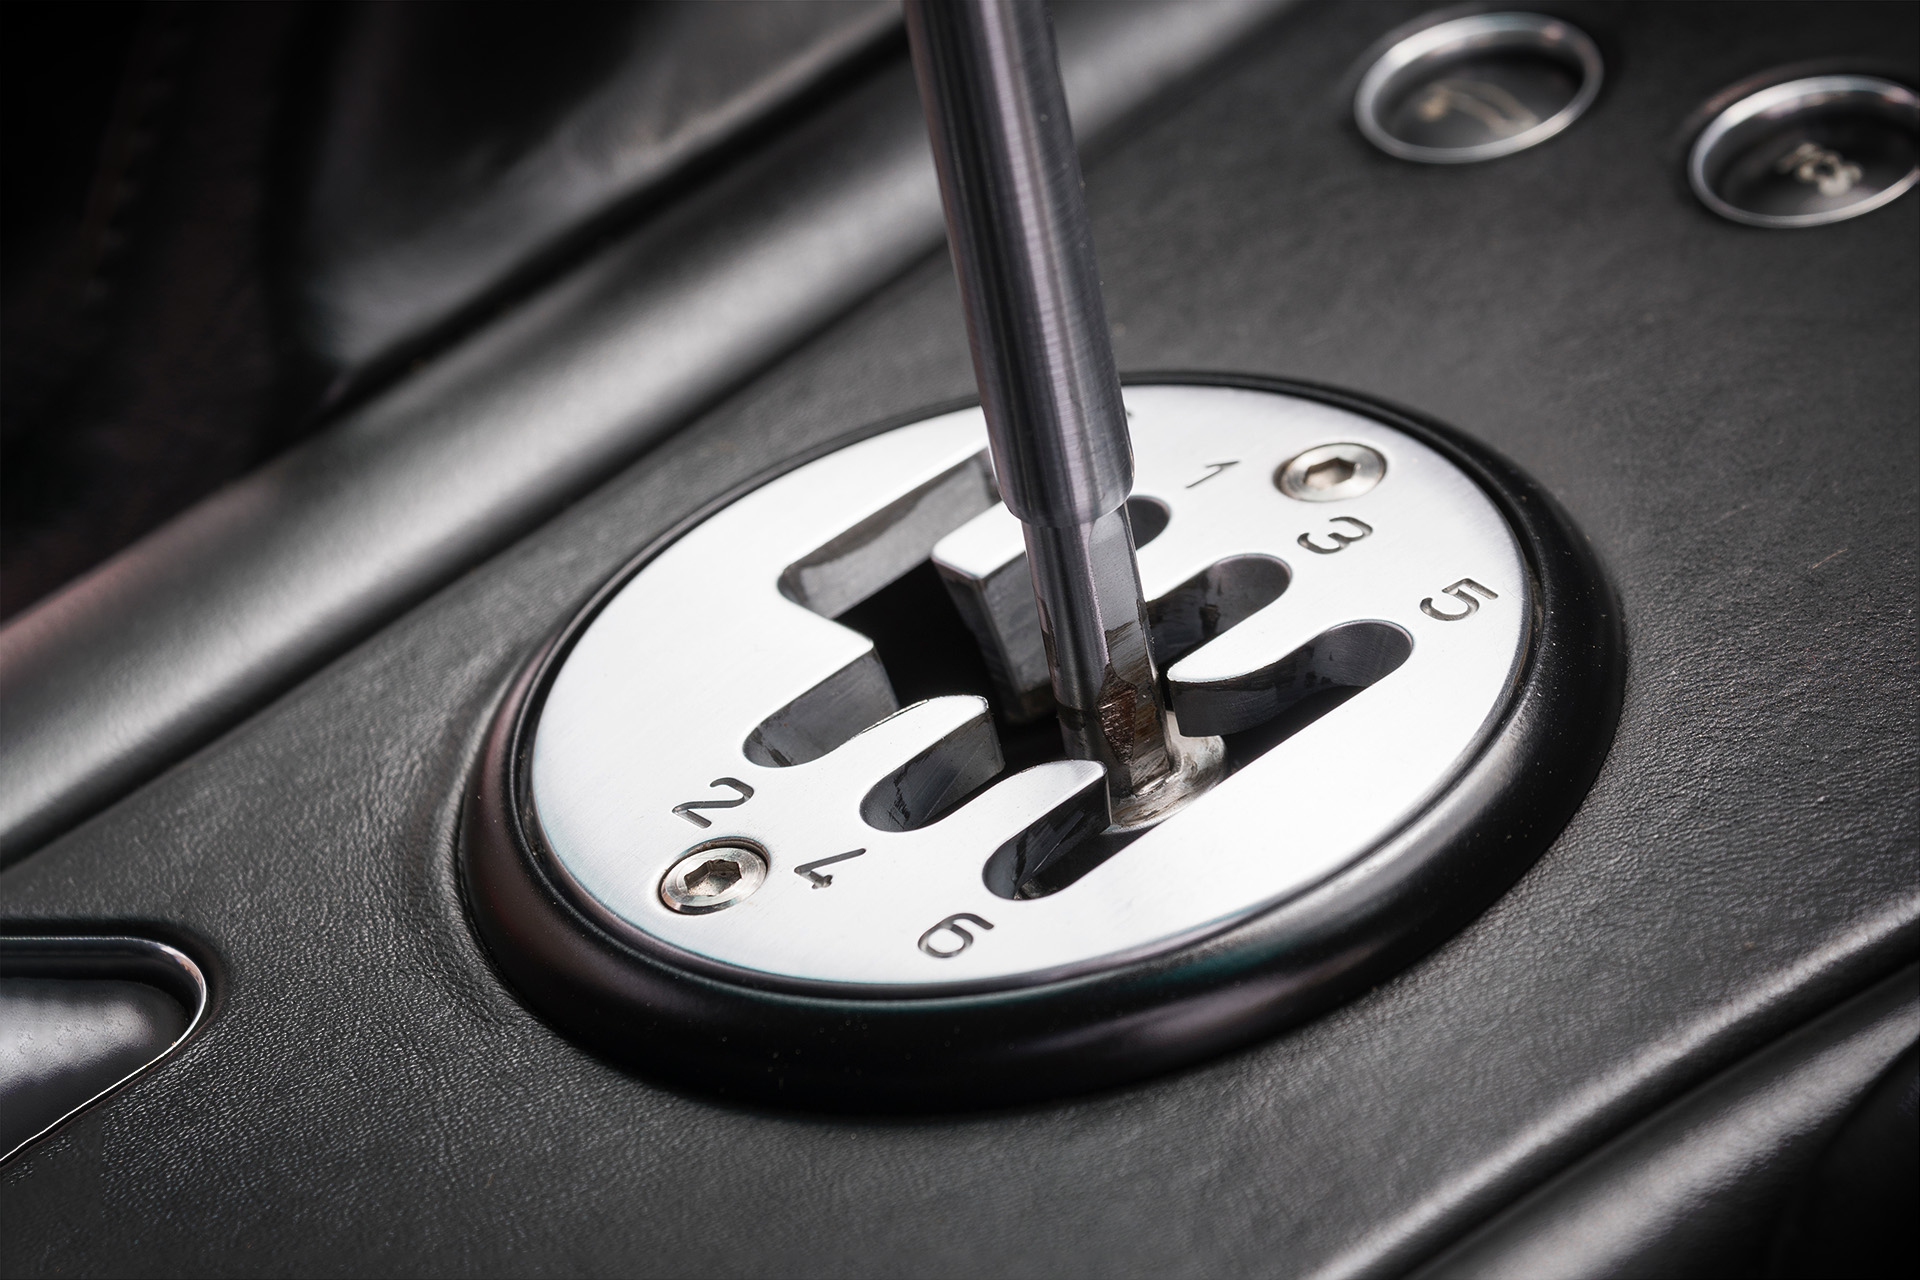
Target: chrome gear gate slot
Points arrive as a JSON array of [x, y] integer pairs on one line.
[[656, 712], [1401, 653]]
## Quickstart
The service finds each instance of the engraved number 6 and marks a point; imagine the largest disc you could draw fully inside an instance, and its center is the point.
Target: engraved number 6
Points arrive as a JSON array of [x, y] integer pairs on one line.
[[953, 926]]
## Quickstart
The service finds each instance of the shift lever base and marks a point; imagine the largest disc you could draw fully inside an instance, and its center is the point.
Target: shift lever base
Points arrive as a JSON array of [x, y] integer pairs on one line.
[[703, 839], [1105, 656]]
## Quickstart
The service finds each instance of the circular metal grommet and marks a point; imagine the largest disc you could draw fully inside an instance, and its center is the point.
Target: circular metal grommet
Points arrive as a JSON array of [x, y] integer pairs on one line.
[[713, 877], [1477, 88], [1808, 152], [909, 953], [1330, 473]]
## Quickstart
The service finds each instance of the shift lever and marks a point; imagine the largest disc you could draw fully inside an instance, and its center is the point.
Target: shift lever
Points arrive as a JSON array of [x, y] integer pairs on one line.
[[706, 835], [1023, 252]]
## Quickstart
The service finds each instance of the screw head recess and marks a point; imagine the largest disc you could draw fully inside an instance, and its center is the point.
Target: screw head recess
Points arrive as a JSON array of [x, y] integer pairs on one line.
[[1330, 473], [713, 877]]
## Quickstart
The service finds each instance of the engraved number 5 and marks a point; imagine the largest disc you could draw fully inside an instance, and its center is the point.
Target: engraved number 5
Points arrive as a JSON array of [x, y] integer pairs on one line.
[[1463, 592]]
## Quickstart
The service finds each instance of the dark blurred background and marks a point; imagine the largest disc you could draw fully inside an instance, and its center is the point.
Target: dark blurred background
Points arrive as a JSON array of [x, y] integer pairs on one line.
[[225, 222], [139, 367]]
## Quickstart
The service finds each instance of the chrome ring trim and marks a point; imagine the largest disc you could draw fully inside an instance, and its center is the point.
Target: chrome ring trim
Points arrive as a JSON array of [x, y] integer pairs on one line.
[[179, 962], [1476, 33], [1782, 101]]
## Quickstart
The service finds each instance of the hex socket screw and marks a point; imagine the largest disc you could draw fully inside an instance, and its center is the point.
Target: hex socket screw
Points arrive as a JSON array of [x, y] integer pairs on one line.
[[1330, 472], [713, 877]]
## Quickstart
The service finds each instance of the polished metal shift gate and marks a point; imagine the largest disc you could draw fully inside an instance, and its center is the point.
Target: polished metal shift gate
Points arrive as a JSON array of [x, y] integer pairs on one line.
[[714, 705], [704, 838], [1326, 677]]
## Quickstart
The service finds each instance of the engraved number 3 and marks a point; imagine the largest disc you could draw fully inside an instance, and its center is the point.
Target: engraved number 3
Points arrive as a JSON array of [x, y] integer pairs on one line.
[[1341, 541], [1463, 592]]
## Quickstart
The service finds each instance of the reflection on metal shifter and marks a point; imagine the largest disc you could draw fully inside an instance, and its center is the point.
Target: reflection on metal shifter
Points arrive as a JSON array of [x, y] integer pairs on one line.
[[1257, 602]]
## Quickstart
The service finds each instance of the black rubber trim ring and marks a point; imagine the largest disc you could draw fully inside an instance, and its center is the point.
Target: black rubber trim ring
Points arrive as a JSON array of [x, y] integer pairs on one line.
[[1274, 969]]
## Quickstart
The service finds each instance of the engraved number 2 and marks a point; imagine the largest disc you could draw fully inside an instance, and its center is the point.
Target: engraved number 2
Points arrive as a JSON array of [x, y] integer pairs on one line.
[[1463, 592], [1341, 541], [686, 809]]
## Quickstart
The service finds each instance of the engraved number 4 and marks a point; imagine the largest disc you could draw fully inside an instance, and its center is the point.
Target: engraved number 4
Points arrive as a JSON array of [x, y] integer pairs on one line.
[[1463, 592], [821, 880]]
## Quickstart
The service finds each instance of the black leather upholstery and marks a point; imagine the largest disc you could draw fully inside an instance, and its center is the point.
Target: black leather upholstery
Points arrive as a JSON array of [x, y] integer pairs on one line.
[[222, 219], [1742, 1177], [1853, 1212], [449, 149], [1728, 413], [137, 344]]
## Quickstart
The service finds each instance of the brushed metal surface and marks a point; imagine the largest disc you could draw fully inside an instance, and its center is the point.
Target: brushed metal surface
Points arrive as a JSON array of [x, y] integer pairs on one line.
[[657, 699]]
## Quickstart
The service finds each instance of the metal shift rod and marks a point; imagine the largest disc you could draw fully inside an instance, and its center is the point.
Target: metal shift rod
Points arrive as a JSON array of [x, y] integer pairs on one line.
[[1023, 252]]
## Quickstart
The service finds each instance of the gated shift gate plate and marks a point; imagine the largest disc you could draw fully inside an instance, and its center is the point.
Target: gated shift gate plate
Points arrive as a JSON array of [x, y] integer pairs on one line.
[[707, 718]]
